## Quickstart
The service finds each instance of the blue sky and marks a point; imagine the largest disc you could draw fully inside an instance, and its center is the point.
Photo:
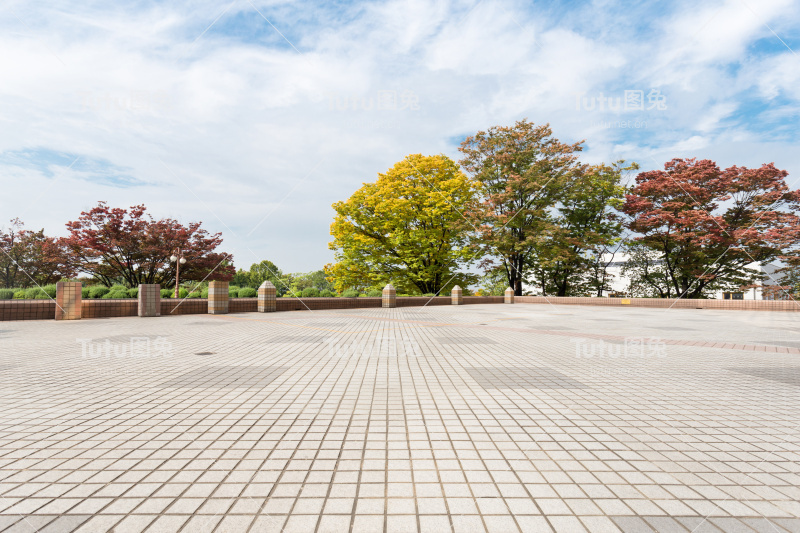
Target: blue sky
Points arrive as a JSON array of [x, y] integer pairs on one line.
[[255, 117]]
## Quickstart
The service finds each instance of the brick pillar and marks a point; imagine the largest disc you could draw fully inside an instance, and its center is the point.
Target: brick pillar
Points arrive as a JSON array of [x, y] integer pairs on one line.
[[149, 299], [218, 298], [509, 296], [456, 296], [68, 300], [389, 297], [267, 294]]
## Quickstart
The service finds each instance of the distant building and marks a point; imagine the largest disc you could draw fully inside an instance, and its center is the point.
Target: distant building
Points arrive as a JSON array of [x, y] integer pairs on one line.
[[769, 276]]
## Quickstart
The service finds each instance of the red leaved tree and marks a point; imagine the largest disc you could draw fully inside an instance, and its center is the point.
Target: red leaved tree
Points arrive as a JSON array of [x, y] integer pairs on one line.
[[130, 246], [705, 224], [30, 257]]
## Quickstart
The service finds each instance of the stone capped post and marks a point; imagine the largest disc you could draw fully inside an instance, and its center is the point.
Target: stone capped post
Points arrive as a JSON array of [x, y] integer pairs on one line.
[[68, 300], [267, 294], [218, 298], [509, 296], [389, 296], [149, 299], [456, 296]]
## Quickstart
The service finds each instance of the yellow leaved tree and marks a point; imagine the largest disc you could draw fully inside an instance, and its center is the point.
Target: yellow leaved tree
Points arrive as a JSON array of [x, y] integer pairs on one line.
[[405, 228]]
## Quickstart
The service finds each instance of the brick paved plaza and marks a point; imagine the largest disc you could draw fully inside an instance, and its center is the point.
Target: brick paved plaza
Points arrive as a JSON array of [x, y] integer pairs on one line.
[[455, 418]]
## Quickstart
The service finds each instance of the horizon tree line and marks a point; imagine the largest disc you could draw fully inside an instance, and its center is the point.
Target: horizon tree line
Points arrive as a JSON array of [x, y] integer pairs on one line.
[[520, 206]]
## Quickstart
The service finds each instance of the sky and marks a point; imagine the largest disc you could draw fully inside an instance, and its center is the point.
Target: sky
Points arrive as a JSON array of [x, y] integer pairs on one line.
[[254, 117]]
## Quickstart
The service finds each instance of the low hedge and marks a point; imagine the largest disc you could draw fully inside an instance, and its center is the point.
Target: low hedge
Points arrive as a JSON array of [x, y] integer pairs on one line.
[[98, 291], [118, 291], [247, 292]]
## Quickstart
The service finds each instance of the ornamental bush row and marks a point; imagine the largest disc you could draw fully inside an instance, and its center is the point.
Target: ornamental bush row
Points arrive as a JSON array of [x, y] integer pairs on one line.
[[31, 293], [119, 291]]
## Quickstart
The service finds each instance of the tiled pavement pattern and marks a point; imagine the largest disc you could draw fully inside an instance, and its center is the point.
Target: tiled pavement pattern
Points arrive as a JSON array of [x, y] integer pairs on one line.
[[407, 419]]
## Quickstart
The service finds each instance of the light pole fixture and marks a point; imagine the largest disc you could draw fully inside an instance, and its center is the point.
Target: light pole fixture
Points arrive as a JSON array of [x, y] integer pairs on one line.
[[179, 260]]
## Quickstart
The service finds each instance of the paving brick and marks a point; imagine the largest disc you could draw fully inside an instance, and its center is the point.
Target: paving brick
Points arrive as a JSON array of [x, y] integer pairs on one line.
[[437, 418]]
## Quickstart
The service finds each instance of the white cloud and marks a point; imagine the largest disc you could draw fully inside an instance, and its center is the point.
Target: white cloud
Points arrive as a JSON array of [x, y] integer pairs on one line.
[[239, 119]]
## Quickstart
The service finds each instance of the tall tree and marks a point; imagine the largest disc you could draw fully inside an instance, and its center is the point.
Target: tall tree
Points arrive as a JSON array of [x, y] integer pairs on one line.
[[585, 225], [705, 224], [129, 245], [406, 228], [523, 172]]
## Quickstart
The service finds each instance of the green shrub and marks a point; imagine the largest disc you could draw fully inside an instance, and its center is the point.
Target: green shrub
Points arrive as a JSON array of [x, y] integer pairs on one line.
[[84, 292], [429, 294], [310, 292], [98, 291], [6, 294], [133, 293], [247, 292], [182, 293], [350, 293], [375, 293], [167, 293], [233, 291], [40, 293], [204, 293], [116, 292], [31, 293], [19, 294], [325, 293], [194, 291]]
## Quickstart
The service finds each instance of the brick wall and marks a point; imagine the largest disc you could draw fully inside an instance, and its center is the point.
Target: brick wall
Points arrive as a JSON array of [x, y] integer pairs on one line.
[[45, 309], [27, 310], [109, 308], [189, 306]]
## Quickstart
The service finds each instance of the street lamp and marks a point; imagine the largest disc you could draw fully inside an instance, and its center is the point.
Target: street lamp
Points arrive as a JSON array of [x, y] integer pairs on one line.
[[178, 260]]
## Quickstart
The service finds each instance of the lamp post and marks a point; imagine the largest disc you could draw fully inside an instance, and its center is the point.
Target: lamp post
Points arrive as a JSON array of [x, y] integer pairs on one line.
[[178, 260]]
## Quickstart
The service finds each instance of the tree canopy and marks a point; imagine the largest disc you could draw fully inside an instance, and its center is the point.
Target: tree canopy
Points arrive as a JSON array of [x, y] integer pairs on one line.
[[406, 228], [523, 172], [30, 257], [584, 225], [129, 245], [705, 224]]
